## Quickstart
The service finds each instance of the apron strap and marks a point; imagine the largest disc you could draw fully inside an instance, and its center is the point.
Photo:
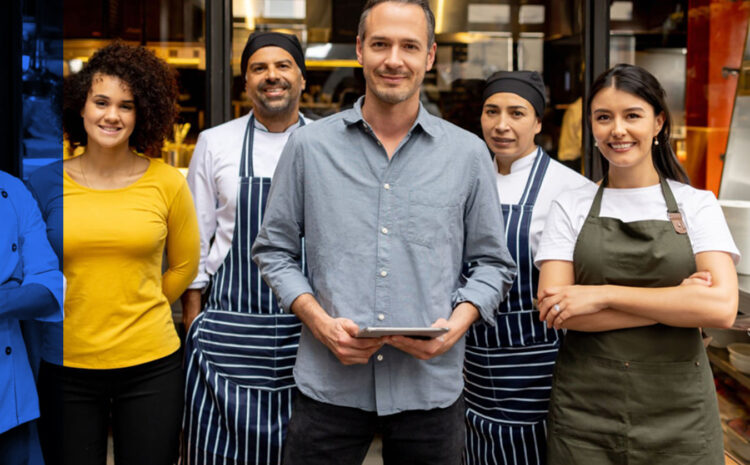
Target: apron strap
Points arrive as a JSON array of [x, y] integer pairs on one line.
[[672, 211], [668, 196], [536, 176], [246, 160], [596, 205]]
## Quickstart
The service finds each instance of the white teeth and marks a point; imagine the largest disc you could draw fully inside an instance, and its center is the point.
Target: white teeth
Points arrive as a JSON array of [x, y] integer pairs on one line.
[[621, 146]]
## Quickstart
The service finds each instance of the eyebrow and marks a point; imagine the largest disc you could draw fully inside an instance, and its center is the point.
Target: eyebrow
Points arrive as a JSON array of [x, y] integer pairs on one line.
[[391, 39], [601, 110], [510, 107], [107, 98], [284, 60]]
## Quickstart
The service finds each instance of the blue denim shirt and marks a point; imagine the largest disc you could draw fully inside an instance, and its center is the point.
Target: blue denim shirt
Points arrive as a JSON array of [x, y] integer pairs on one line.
[[385, 242], [26, 257]]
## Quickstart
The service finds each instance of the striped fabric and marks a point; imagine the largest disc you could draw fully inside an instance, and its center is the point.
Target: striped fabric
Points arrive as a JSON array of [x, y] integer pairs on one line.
[[508, 368], [240, 350]]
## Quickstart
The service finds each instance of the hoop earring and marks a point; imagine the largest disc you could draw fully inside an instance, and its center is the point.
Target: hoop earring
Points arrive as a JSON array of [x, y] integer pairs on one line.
[[656, 141]]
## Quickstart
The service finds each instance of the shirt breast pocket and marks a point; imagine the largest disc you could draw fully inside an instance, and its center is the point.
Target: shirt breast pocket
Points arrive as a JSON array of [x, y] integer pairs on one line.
[[431, 219]]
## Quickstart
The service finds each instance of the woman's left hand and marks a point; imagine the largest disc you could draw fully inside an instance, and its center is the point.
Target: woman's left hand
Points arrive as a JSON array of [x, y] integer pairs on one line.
[[557, 304]]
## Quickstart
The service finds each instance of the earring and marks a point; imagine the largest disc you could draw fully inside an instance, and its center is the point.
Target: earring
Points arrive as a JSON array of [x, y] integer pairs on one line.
[[595, 144], [656, 141]]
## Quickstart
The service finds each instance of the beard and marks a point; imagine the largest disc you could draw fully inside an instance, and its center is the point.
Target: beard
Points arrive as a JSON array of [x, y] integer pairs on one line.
[[275, 105], [393, 95]]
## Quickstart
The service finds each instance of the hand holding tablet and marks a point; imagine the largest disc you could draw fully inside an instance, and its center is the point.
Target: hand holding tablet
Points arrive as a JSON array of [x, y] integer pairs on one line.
[[418, 333]]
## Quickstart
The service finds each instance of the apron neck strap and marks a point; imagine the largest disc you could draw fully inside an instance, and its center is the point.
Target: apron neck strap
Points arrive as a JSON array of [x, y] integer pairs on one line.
[[246, 160], [668, 196], [665, 189]]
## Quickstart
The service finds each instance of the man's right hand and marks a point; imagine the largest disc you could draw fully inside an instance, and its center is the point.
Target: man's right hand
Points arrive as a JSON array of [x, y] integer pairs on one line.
[[338, 334], [191, 307]]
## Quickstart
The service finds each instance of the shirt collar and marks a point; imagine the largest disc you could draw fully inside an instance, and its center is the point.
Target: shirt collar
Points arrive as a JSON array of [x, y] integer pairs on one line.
[[424, 119], [522, 163], [260, 127]]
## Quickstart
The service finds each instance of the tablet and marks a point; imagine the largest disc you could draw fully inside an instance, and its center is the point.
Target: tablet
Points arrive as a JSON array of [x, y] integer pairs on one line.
[[419, 333]]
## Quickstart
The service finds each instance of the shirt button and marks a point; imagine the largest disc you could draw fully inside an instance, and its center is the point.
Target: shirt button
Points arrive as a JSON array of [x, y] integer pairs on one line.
[[387, 186], [627, 364], [8, 350], [14, 247], [381, 317], [5, 195], [384, 230], [384, 273], [697, 364], [380, 357]]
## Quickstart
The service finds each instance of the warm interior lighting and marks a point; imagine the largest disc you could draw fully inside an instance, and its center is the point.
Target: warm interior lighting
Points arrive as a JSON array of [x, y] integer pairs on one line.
[[250, 15], [439, 15]]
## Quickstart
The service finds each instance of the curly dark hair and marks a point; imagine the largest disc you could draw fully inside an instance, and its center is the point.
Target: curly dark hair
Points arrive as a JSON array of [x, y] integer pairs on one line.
[[151, 81]]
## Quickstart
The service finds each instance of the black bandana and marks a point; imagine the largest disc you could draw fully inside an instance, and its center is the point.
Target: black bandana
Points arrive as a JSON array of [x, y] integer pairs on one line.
[[527, 84], [288, 42]]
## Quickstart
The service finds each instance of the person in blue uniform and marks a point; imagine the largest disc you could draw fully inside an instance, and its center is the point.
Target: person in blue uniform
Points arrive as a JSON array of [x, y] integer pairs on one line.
[[31, 287], [241, 348], [508, 366]]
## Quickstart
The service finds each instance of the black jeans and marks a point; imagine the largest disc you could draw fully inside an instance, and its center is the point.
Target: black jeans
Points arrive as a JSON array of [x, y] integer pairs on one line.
[[144, 403], [325, 434]]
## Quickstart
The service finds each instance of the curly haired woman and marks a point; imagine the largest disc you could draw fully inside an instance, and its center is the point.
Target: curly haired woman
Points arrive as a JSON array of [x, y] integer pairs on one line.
[[120, 365]]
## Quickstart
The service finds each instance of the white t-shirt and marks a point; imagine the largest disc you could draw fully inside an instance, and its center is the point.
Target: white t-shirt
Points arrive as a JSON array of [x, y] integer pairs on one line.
[[557, 179], [213, 177], [701, 213]]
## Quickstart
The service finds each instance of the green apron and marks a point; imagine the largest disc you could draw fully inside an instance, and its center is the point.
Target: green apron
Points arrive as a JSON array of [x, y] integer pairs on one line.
[[640, 396]]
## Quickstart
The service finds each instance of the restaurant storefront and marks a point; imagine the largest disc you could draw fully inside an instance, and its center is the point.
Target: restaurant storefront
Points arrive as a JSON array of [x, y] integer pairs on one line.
[[696, 48]]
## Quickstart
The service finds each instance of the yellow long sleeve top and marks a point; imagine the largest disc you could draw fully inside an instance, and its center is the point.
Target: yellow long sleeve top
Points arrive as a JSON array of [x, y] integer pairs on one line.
[[117, 305]]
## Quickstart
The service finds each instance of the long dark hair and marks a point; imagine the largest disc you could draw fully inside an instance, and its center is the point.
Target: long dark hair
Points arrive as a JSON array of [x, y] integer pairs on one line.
[[639, 82]]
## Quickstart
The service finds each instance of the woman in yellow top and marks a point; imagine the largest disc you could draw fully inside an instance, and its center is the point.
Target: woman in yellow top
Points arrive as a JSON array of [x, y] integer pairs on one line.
[[120, 357]]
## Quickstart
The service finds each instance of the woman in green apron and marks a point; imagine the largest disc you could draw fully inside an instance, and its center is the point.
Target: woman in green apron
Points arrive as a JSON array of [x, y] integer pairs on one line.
[[632, 268]]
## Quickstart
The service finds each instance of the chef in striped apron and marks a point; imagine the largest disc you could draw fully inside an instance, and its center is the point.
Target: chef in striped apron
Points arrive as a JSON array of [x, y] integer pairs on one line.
[[508, 367], [240, 350]]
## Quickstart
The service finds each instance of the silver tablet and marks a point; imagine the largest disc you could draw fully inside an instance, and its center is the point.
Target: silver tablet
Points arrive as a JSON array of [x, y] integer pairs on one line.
[[420, 333]]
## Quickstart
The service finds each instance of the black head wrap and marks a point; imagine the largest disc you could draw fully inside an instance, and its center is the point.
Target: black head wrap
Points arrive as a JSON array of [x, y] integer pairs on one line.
[[527, 84], [288, 42]]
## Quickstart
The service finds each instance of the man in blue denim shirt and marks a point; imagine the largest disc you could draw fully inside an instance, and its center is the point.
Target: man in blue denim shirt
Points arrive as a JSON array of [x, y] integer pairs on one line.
[[392, 202], [31, 287]]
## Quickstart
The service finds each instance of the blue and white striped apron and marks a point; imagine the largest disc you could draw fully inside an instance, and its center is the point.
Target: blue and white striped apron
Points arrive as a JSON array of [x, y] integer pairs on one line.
[[240, 350], [508, 368]]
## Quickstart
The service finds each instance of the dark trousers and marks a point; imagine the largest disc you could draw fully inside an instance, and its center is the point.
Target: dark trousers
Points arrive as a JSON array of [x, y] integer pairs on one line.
[[324, 434], [143, 402], [19, 446]]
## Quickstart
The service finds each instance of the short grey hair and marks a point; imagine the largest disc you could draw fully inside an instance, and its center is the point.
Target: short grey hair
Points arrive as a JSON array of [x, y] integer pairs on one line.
[[424, 4]]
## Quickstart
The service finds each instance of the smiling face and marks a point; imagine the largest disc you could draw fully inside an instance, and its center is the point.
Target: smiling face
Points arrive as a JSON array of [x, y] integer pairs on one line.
[[274, 82], [509, 125], [109, 112], [624, 126], [394, 52]]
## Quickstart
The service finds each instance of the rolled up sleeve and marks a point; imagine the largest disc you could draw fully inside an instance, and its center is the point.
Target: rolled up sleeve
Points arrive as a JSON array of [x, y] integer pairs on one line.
[[278, 247], [490, 268]]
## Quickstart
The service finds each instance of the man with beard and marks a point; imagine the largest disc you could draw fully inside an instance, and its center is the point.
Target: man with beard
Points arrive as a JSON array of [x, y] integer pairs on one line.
[[240, 349], [392, 202]]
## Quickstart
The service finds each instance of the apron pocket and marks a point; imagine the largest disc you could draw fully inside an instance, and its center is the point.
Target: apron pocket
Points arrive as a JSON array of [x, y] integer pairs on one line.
[[247, 350], [667, 406], [589, 391], [510, 385]]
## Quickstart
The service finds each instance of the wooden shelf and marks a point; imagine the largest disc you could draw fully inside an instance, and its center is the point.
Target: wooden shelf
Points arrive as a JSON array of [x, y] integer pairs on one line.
[[720, 359]]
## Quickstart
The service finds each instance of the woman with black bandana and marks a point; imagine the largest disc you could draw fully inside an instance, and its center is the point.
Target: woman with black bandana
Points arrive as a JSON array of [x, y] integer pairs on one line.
[[508, 367]]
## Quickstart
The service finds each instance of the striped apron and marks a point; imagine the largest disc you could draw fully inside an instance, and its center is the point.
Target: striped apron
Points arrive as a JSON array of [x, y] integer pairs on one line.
[[240, 350], [508, 368]]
